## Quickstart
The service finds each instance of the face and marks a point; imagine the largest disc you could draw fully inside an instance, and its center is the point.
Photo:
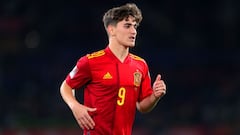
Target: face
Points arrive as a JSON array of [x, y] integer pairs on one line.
[[124, 33]]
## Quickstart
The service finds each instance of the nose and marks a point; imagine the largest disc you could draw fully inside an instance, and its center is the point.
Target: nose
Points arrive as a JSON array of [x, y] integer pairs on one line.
[[133, 30]]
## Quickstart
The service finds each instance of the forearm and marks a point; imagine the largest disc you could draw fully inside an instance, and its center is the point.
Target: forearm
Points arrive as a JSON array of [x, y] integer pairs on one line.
[[159, 90], [67, 94], [147, 104]]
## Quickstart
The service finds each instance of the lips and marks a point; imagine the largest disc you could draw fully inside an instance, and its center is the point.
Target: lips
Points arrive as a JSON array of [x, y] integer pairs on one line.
[[132, 38]]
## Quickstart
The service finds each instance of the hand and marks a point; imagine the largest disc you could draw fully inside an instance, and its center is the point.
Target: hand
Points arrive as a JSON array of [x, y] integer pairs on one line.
[[82, 116], [159, 87]]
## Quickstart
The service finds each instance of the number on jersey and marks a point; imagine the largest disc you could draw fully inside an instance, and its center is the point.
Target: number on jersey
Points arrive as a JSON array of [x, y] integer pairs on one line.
[[121, 95]]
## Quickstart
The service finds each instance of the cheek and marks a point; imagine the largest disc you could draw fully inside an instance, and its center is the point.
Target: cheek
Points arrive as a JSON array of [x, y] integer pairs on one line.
[[121, 35]]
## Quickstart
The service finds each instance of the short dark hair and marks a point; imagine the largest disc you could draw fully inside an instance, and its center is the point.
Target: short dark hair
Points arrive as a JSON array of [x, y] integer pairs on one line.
[[117, 14]]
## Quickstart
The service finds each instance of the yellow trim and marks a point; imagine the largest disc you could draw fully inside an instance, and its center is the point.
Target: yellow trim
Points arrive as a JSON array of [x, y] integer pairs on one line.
[[96, 54], [136, 57]]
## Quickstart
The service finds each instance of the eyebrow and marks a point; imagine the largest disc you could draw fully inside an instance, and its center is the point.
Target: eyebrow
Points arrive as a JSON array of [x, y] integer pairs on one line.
[[131, 24], [134, 24]]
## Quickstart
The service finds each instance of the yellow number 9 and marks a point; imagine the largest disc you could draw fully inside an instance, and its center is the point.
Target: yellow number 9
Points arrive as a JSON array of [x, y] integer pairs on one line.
[[121, 95]]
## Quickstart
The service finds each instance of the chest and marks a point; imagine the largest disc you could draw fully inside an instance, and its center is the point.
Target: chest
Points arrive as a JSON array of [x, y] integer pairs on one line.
[[117, 74]]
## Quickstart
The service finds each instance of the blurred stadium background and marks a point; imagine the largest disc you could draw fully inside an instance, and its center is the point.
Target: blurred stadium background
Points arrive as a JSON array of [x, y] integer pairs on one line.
[[193, 44]]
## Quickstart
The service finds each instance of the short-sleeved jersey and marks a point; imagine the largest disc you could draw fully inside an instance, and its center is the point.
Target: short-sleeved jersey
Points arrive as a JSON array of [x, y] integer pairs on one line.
[[113, 87]]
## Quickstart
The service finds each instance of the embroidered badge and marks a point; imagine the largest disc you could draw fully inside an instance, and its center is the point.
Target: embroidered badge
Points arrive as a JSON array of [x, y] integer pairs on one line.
[[137, 78]]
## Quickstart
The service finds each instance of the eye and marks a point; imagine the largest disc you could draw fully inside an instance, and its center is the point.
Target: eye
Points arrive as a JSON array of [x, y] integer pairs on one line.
[[135, 26], [127, 26]]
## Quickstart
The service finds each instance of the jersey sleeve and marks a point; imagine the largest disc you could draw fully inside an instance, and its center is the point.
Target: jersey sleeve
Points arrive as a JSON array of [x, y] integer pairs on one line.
[[80, 74], [146, 88]]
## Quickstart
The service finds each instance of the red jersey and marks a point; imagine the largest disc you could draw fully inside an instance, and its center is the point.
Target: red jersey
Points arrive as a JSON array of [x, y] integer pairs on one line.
[[113, 87]]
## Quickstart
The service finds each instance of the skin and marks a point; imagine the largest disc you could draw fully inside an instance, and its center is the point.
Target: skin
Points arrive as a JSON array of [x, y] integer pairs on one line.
[[121, 37]]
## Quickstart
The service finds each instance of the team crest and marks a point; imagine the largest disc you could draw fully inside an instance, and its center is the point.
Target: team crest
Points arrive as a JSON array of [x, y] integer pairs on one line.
[[137, 78]]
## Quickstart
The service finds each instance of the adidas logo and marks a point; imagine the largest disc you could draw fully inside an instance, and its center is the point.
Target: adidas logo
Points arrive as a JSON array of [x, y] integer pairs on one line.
[[107, 76]]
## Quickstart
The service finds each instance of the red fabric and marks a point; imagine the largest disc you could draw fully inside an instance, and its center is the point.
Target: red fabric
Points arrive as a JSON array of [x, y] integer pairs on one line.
[[112, 87]]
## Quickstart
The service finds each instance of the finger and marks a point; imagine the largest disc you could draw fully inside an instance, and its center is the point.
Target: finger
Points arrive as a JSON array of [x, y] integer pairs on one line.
[[164, 86], [91, 123], [163, 91], [91, 109], [158, 78], [160, 93], [82, 127], [80, 124], [89, 118], [85, 123]]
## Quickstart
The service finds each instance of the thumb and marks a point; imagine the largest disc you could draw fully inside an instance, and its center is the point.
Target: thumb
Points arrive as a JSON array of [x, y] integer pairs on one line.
[[158, 78], [91, 109]]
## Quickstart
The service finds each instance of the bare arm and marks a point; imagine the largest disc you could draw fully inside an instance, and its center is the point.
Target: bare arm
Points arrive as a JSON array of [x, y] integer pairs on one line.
[[79, 111], [159, 90]]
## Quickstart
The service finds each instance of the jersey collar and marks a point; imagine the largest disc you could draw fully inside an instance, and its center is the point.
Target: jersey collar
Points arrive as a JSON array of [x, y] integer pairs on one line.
[[113, 57]]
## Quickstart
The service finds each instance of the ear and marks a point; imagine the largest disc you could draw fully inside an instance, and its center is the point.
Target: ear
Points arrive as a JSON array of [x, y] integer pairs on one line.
[[110, 30]]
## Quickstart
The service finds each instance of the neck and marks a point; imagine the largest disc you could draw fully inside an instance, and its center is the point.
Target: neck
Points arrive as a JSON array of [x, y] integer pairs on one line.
[[119, 51]]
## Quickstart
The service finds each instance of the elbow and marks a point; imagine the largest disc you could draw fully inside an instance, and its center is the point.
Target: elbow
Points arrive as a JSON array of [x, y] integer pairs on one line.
[[142, 109], [64, 88]]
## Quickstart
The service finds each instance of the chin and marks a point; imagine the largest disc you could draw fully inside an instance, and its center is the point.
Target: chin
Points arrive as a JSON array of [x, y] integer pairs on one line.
[[131, 45]]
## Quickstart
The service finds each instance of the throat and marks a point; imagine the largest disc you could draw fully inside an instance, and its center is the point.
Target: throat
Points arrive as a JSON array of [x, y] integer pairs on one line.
[[120, 52], [122, 58]]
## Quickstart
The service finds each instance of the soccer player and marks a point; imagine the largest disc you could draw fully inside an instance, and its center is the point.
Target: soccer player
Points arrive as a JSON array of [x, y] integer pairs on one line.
[[115, 81]]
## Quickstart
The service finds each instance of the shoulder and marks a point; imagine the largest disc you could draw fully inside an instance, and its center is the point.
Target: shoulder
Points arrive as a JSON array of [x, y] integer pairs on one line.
[[136, 58], [91, 56], [139, 62], [96, 54]]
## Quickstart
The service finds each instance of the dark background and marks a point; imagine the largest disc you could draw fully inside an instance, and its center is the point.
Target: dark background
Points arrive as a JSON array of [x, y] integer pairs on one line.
[[194, 45]]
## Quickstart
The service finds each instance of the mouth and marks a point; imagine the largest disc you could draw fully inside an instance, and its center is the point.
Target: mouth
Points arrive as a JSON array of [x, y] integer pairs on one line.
[[132, 37]]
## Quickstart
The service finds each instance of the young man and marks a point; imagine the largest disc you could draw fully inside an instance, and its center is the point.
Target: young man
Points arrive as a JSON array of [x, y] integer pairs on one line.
[[115, 81]]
